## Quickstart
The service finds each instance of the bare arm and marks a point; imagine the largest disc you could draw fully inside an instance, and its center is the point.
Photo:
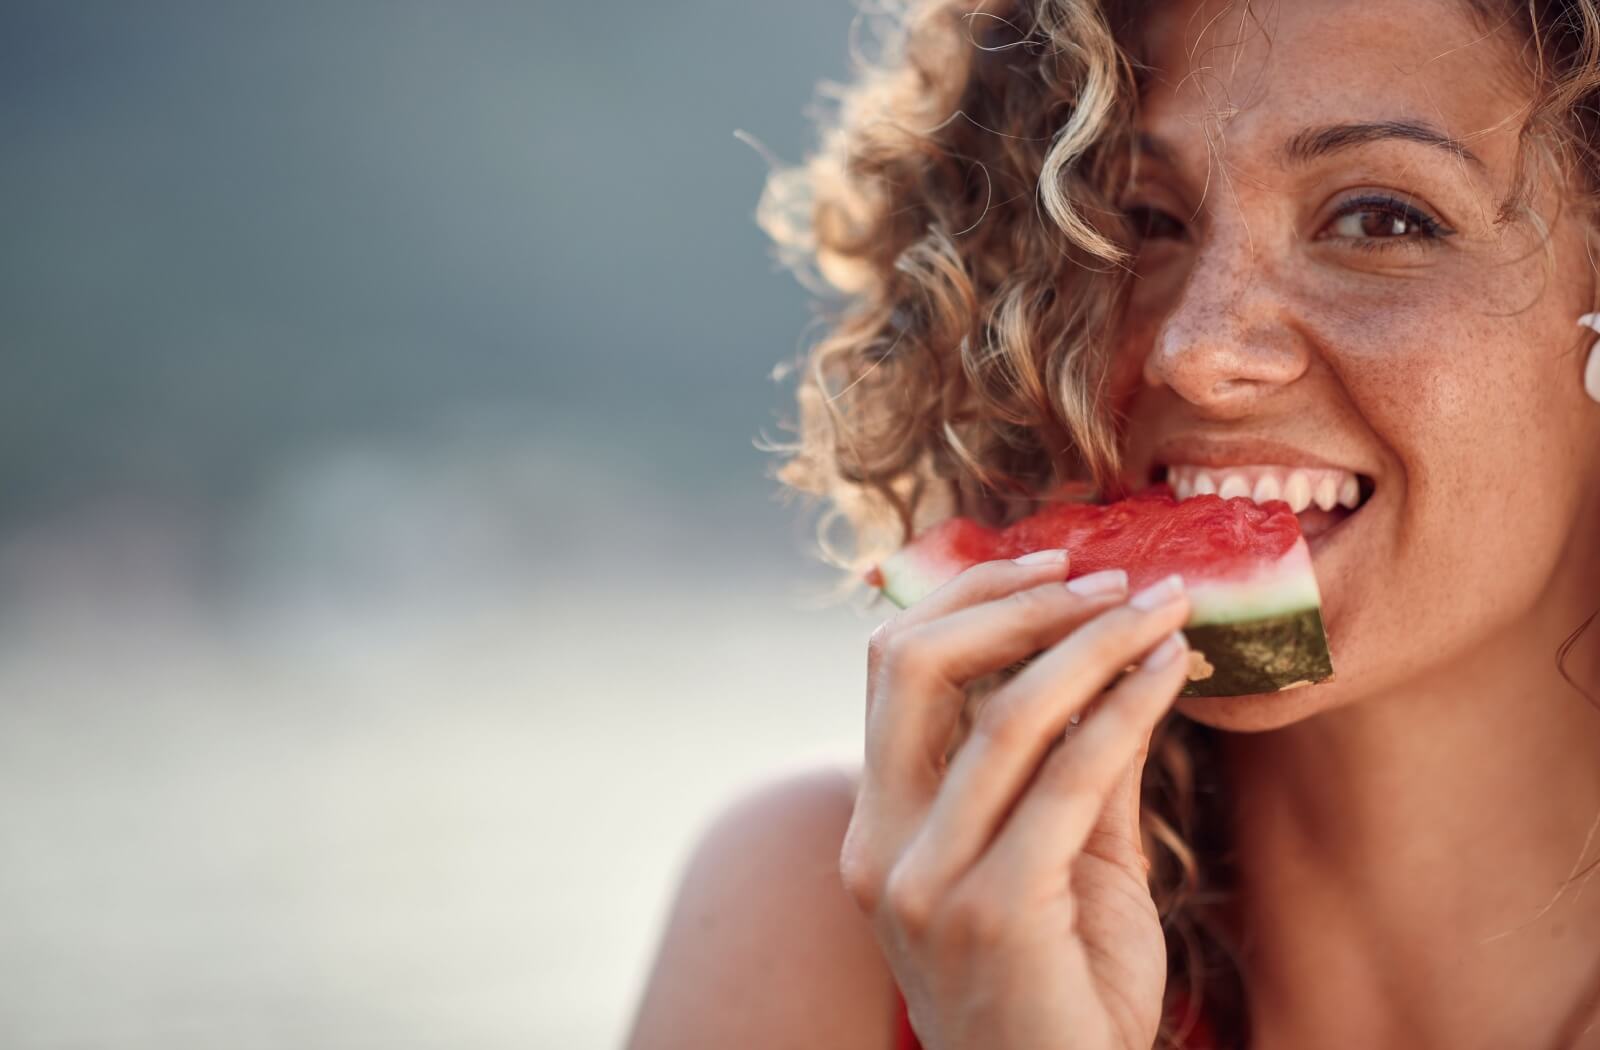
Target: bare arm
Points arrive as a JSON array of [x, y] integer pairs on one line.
[[764, 947]]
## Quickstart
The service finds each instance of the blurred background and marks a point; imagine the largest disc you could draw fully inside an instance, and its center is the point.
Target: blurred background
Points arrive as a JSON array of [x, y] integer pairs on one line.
[[391, 588]]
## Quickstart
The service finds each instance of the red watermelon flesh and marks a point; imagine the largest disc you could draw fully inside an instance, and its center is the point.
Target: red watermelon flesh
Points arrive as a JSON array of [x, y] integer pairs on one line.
[[1256, 613]]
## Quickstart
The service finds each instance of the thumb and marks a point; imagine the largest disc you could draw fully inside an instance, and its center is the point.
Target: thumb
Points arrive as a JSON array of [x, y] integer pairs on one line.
[[1120, 817]]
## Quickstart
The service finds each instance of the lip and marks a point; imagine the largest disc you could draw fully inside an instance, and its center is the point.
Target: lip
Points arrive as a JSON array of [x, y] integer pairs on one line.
[[1239, 452]]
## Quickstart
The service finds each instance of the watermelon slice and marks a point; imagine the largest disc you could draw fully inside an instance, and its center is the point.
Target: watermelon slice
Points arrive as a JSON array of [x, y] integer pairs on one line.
[[1255, 624]]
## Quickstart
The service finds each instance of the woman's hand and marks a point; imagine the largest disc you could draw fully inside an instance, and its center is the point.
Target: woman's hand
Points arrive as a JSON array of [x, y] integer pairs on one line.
[[1009, 891]]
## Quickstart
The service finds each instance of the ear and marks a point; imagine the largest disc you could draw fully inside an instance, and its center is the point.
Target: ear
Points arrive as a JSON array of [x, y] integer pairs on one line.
[[1591, 369]]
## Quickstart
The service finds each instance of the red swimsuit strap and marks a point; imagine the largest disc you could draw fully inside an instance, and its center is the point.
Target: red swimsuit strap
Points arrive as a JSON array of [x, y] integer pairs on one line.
[[904, 1037]]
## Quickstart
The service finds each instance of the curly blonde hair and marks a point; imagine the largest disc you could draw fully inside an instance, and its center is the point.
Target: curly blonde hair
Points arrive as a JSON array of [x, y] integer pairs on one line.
[[960, 214]]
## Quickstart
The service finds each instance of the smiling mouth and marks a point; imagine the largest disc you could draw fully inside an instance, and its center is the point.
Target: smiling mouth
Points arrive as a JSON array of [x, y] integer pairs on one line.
[[1322, 498]]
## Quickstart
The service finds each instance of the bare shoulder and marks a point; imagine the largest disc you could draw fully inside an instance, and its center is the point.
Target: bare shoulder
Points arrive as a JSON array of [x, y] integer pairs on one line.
[[764, 946]]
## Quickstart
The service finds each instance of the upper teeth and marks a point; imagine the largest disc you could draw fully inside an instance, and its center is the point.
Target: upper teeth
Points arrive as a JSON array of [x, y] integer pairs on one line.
[[1297, 486]]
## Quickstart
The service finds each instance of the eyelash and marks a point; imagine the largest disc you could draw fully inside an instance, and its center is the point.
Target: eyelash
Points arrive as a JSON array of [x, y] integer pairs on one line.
[[1428, 228]]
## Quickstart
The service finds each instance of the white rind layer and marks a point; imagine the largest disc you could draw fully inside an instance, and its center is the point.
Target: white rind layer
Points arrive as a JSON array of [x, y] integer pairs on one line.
[[906, 580], [1287, 585]]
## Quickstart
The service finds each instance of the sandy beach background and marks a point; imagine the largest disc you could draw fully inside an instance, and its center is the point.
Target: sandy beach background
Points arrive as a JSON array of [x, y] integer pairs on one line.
[[390, 588]]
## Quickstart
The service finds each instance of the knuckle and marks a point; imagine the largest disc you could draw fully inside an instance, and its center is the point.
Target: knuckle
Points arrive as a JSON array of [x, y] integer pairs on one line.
[[999, 726], [909, 900], [1033, 601], [906, 653], [1047, 616], [860, 873]]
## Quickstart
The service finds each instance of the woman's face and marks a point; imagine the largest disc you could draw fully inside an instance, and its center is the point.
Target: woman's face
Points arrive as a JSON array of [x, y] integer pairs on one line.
[[1326, 281]]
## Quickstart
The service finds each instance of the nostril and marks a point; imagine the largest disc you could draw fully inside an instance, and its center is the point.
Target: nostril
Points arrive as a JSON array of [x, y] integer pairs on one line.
[[1224, 354]]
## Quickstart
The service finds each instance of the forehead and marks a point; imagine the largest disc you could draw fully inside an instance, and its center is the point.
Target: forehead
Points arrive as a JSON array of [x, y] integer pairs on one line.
[[1234, 79]]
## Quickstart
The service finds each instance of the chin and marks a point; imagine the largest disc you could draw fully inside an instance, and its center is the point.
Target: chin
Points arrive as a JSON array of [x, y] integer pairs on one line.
[[1263, 711], [1356, 678], [1269, 711]]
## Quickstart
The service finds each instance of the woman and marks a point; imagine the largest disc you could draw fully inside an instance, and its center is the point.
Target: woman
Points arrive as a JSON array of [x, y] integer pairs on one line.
[[1106, 241]]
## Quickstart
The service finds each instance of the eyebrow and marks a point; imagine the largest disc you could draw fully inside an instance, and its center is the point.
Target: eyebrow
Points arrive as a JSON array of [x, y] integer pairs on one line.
[[1310, 143]]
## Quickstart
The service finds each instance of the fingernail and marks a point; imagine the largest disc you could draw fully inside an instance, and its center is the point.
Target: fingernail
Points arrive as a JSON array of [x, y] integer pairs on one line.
[[1158, 594], [1106, 581], [1041, 558], [1168, 651]]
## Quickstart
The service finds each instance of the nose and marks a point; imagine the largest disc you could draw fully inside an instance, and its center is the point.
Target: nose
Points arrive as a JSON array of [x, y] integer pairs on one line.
[[1231, 339]]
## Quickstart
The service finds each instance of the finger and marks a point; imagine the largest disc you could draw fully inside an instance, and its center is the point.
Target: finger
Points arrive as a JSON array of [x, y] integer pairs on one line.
[[974, 585], [987, 581], [1088, 785], [922, 694], [1126, 796], [926, 668], [890, 801], [1121, 812], [1023, 720]]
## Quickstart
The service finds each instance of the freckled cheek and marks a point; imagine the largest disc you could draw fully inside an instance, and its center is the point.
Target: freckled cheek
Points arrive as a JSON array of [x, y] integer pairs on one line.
[[1130, 346], [1448, 393]]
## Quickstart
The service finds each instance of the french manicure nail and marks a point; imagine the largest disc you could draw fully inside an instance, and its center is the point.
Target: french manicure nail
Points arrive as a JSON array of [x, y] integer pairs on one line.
[[1166, 652], [1158, 594], [1106, 581], [1042, 558]]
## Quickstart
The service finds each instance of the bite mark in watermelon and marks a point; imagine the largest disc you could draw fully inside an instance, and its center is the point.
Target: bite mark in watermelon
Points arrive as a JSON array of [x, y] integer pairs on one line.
[[1255, 613]]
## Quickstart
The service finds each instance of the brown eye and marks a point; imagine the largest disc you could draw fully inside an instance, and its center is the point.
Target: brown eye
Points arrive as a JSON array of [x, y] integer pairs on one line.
[[1372, 223], [1384, 219], [1150, 224]]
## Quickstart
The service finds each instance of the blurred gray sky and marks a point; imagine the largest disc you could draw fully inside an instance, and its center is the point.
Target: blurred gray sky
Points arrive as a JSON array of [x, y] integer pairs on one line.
[[238, 232]]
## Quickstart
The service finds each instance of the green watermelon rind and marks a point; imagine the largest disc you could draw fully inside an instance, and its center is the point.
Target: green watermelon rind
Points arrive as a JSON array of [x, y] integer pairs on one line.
[[1266, 655]]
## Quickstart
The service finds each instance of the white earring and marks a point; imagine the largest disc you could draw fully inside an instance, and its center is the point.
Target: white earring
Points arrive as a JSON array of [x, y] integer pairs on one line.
[[1591, 369]]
